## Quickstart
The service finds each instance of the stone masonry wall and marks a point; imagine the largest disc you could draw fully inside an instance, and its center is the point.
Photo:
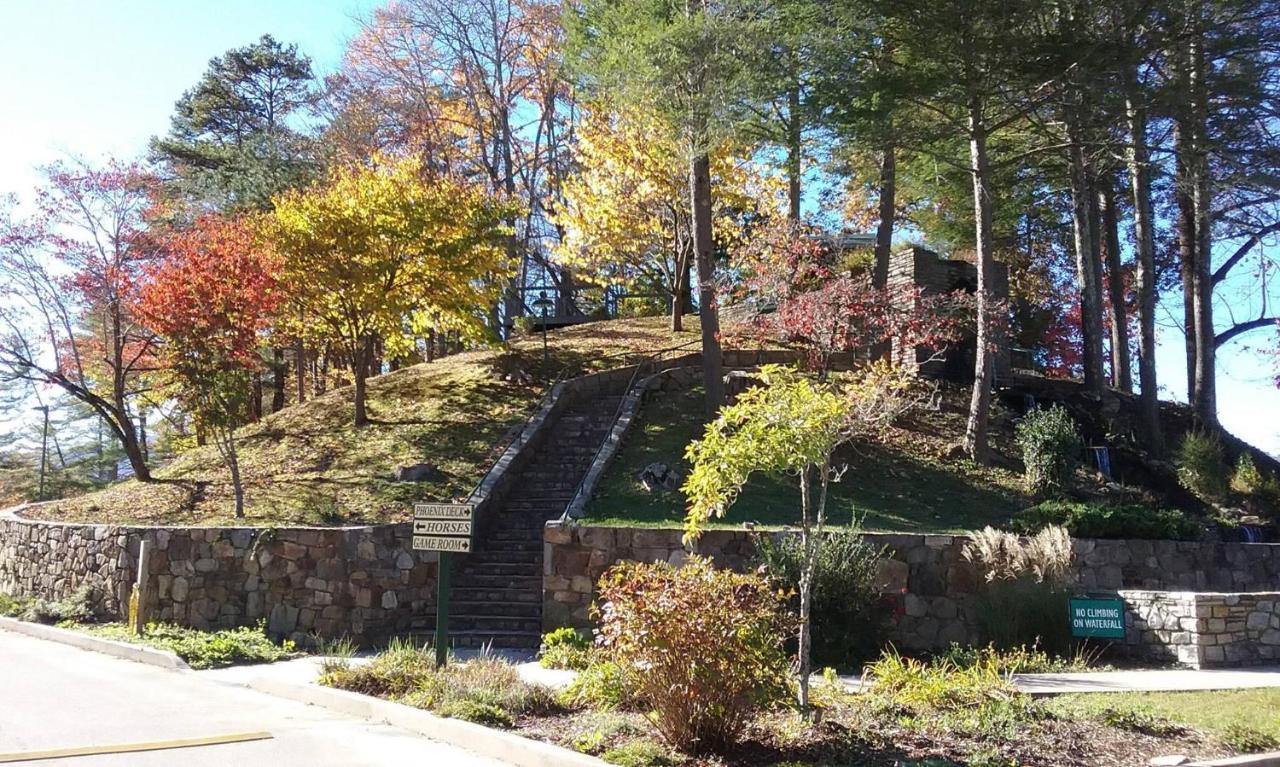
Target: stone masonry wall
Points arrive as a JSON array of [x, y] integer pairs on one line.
[[928, 571], [1203, 629], [361, 582]]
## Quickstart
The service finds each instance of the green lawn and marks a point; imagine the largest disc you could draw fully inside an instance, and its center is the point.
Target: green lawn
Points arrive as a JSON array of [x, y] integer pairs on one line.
[[1220, 713], [898, 486]]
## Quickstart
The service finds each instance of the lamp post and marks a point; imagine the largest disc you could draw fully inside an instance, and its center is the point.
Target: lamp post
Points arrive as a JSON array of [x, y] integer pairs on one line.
[[542, 304], [44, 448]]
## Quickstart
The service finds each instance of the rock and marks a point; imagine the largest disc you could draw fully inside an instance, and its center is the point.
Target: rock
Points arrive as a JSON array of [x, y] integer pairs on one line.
[[1171, 760], [420, 472], [658, 476]]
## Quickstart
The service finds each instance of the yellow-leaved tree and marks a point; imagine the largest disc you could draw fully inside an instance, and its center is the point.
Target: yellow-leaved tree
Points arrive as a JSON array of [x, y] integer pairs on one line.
[[625, 217], [375, 252]]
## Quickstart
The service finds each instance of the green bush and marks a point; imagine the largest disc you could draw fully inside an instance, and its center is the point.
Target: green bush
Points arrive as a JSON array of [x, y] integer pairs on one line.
[[10, 607], [1141, 720], [1200, 465], [1050, 448], [1021, 659], [701, 647], [639, 753], [474, 711], [565, 648], [1246, 740], [1107, 520], [1246, 478], [848, 629], [203, 649], [76, 607], [394, 672], [602, 686]]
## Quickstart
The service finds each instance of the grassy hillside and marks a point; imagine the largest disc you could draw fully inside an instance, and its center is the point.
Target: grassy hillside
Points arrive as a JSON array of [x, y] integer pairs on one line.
[[308, 464], [906, 483]]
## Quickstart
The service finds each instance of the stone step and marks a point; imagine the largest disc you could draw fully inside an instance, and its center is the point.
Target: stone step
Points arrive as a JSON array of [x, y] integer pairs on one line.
[[493, 607], [493, 623], [501, 581], [529, 569], [500, 596], [516, 640]]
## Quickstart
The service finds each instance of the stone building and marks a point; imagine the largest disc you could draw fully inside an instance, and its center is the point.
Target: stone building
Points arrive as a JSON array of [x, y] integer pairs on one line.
[[914, 266]]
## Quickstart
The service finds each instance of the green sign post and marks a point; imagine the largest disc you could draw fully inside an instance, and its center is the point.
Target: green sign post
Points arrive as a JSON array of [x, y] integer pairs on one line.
[[1097, 617], [445, 528]]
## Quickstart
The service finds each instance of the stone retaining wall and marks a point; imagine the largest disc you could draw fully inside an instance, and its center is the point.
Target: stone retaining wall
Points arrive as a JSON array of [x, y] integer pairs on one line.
[[1203, 629], [360, 582], [934, 581]]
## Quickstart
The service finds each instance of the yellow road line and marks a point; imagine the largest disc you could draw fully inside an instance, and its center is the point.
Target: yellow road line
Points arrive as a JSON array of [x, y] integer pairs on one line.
[[128, 748]]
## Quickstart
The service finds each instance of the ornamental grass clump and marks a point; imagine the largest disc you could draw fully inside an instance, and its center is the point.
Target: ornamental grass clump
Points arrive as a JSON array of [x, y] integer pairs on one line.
[[701, 648], [1023, 600]]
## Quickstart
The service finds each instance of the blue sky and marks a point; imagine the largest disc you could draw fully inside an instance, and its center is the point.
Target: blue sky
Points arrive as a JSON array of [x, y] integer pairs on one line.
[[99, 77]]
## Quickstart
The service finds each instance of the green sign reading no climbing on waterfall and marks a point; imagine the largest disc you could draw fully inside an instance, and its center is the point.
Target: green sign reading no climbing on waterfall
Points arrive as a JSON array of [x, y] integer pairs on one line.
[[1102, 618]]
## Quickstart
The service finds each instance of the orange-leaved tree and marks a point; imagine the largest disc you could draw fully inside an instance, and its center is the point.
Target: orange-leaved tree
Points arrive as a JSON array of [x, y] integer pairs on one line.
[[211, 295], [379, 252]]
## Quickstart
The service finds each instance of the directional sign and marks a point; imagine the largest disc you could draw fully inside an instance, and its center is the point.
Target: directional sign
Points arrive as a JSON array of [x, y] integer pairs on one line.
[[438, 543], [443, 511], [441, 527]]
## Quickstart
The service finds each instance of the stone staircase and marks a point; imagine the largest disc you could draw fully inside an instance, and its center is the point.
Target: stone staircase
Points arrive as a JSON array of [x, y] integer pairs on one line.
[[497, 589]]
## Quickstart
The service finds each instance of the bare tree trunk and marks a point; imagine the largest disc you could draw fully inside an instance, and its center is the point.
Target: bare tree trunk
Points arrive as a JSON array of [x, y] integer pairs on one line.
[[708, 312], [807, 544], [279, 372], [1121, 375], [300, 365], [1206, 402], [681, 281], [1087, 266], [888, 208], [233, 465], [975, 436], [1144, 237], [362, 353], [794, 159]]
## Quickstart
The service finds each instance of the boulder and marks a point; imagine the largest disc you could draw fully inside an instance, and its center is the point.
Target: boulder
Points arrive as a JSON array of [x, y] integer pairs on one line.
[[419, 472], [658, 476]]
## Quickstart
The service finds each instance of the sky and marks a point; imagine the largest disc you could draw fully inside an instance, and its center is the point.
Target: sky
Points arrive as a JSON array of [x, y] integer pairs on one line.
[[98, 78]]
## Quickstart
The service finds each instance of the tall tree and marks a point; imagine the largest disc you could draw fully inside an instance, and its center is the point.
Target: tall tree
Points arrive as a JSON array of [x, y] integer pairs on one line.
[[234, 141], [374, 252], [684, 61], [68, 276], [210, 297]]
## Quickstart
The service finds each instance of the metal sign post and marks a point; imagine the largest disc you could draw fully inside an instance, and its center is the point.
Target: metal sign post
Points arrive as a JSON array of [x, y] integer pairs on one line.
[[445, 528]]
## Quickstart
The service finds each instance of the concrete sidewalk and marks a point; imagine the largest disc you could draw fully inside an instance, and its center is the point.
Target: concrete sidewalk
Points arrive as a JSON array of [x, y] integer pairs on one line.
[[1155, 680], [305, 671]]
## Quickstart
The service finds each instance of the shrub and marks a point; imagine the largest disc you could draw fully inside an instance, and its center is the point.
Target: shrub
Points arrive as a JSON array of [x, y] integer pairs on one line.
[[1050, 448], [474, 711], [565, 648], [1021, 659], [601, 686], [397, 671], [1246, 478], [1246, 740], [1024, 597], [638, 753], [701, 647], [847, 627], [204, 649], [76, 607], [10, 607], [1099, 520], [1200, 465]]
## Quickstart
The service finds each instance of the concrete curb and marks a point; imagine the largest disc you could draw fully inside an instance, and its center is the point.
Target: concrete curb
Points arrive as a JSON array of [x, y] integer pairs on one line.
[[1270, 759], [484, 741], [137, 653]]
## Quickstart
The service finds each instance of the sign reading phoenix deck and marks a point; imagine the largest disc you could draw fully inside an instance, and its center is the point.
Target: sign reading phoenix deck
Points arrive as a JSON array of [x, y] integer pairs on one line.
[[1102, 618], [442, 527]]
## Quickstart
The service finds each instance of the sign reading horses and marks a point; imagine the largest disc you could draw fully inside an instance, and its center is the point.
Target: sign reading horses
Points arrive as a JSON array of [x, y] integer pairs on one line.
[[442, 527]]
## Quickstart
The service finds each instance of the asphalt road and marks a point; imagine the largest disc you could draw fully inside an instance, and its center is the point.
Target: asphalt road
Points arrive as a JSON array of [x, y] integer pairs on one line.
[[54, 697]]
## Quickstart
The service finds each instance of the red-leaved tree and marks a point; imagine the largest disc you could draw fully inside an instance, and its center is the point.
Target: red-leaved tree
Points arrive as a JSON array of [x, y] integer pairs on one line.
[[70, 271], [817, 299], [210, 297]]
